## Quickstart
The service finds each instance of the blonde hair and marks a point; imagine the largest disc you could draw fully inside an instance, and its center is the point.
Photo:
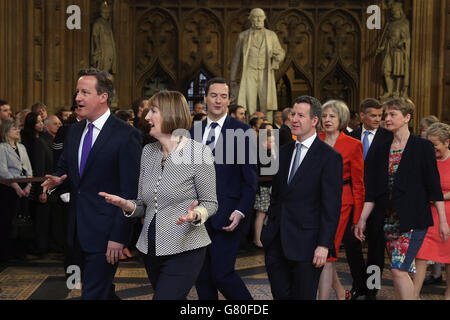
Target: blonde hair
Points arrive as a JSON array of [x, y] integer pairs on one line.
[[174, 110], [5, 127], [439, 130], [404, 105], [428, 121], [341, 110]]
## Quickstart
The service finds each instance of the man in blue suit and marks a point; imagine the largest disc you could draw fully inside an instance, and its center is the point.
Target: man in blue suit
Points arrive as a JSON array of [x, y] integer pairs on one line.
[[236, 176], [101, 153], [304, 210]]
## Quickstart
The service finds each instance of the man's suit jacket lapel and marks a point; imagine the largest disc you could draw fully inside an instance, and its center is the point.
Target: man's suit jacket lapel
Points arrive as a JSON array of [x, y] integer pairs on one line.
[[221, 139], [75, 145], [375, 142], [285, 165], [376, 139], [220, 152], [194, 131], [357, 133], [307, 164], [102, 139]]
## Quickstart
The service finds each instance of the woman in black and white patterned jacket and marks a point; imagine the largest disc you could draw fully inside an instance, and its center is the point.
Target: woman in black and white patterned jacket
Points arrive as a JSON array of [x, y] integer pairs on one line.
[[176, 195]]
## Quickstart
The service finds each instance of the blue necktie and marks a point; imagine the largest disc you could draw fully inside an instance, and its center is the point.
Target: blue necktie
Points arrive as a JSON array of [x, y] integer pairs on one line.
[[366, 144], [87, 144], [210, 142], [296, 162]]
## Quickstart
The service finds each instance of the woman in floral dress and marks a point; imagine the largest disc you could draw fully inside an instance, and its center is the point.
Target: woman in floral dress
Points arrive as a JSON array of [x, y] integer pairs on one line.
[[403, 181]]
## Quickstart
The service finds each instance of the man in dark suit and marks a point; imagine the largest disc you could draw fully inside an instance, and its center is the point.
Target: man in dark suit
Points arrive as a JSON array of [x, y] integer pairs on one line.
[[372, 136], [101, 153], [285, 129], [304, 209], [236, 178], [277, 119]]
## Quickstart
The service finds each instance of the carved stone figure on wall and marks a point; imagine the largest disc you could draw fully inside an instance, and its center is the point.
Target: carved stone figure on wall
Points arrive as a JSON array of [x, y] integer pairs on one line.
[[258, 53], [396, 48], [103, 48]]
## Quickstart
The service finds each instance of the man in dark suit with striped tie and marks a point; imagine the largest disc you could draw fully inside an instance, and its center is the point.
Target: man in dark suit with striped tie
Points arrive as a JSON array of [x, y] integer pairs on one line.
[[372, 136], [236, 188]]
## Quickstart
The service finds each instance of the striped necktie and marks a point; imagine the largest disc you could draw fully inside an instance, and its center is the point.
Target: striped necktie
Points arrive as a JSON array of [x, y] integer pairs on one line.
[[296, 162], [210, 142]]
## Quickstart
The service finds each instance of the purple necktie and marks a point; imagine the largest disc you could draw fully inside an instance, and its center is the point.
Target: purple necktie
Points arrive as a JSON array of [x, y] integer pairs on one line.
[[87, 144]]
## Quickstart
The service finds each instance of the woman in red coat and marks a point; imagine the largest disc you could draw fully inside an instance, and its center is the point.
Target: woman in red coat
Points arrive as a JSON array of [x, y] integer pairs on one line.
[[335, 117]]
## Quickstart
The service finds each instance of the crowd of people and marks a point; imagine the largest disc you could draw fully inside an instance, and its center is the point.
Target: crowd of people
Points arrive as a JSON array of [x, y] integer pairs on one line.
[[167, 181]]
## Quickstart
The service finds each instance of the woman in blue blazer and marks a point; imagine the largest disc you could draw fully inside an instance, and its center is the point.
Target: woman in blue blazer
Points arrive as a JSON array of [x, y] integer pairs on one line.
[[402, 182]]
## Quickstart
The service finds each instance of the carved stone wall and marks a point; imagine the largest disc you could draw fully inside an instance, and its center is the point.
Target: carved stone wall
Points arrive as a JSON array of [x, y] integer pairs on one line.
[[322, 43], [330, 53]]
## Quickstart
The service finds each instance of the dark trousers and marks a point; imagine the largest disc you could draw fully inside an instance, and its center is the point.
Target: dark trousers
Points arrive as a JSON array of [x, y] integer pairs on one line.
[[355, 259], [97, 274], [40, 213], [9, 203], [58, 226], [172, 277], [218, 272], [375, 254], [290, 280]]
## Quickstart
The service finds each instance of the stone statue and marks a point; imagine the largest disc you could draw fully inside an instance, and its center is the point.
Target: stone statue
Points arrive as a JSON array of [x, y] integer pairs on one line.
[[258, 53], [396, 48], [103, 48]]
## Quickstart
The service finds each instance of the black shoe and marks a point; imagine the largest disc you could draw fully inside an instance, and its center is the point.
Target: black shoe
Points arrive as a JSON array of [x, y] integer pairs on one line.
[[432, 280], [353, 294], [370, 297], [112, 293]]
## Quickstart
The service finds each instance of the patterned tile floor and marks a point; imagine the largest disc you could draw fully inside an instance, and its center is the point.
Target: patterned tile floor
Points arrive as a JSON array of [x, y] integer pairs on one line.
[[45, 280]]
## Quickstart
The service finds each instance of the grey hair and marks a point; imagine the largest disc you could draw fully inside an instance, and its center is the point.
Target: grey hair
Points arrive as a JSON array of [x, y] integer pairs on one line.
[[341, 110], [439, 130], [6, 125]]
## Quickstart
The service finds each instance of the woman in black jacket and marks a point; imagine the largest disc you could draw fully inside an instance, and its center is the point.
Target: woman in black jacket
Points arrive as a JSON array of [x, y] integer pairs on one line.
[[402, 180], [41, 158]]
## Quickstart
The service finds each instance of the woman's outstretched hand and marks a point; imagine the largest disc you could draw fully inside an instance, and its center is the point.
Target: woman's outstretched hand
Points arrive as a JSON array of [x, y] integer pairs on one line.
[[190, 214], [125, 205]]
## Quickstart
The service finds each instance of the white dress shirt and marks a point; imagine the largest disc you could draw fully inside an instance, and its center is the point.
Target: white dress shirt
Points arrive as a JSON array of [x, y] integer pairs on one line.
[[220, 123], [306, 145], [218, 129], [370, 136], [98, 125]]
